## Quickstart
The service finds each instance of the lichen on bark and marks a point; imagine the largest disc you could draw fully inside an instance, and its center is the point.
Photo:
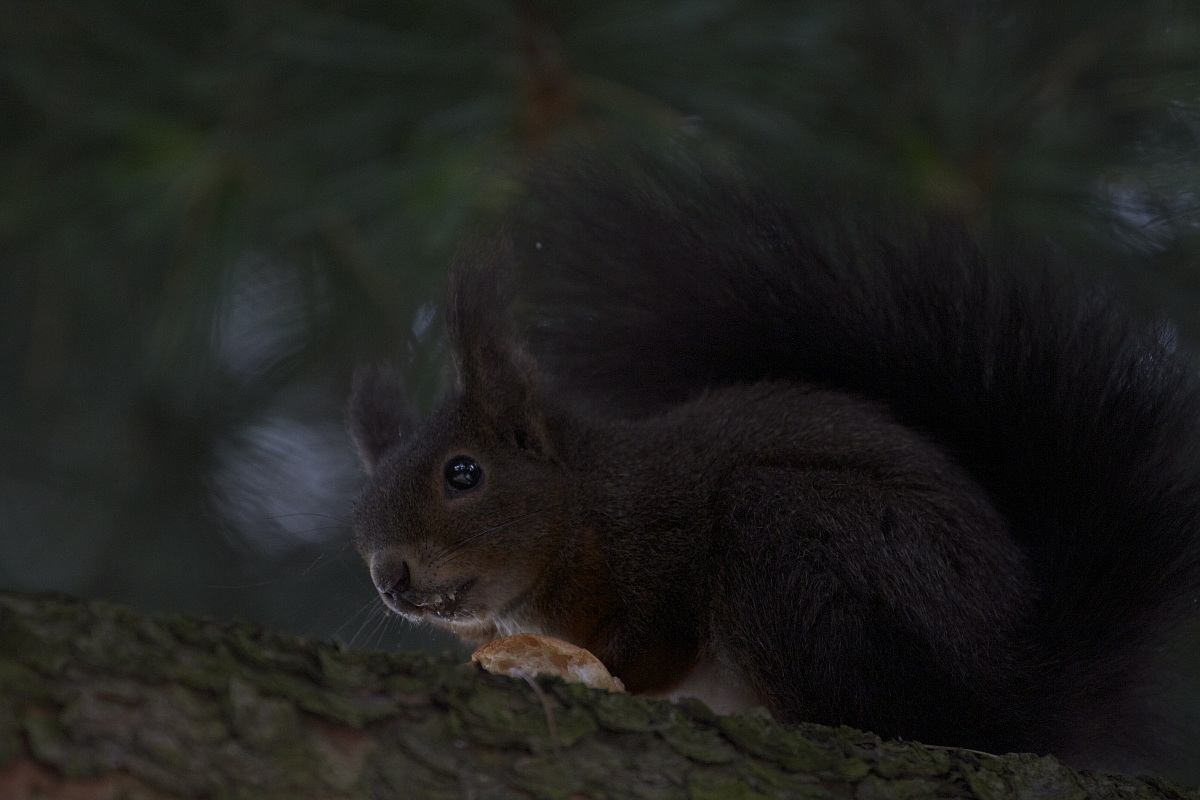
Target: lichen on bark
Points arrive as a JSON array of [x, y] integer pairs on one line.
[[99, 701]]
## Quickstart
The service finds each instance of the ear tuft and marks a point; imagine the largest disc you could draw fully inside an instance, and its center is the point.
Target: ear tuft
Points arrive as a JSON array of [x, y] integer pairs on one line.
[[378, 416], [495, 372], [481, 297]]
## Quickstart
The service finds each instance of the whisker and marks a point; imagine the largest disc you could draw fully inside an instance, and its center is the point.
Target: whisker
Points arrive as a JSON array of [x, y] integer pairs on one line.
[[338, 520], [301, 531], [324, 557], [379, 630], [369, 608], [444, 557]]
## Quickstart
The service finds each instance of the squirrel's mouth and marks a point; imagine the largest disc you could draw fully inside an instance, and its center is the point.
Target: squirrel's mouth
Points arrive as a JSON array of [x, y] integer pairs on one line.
[[415, 603]]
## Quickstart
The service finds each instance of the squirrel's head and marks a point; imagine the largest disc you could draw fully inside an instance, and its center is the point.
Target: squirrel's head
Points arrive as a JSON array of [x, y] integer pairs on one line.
[[462, 511]]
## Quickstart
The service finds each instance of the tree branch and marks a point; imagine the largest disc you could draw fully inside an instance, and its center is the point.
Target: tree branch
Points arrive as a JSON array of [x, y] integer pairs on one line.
[[97, 701]]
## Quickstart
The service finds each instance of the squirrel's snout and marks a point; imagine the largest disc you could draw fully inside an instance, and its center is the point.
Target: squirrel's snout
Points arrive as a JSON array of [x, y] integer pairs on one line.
[[392, 579]]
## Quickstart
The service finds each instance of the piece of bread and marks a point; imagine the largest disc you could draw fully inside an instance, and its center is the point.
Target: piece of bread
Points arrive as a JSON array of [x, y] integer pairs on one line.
[[529, 654]]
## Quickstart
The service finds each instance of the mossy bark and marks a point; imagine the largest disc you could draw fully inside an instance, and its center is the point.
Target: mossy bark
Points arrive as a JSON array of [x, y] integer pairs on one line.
[[97, 701]]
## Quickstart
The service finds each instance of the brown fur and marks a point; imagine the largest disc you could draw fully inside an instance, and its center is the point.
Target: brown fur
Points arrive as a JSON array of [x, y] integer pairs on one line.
[[892, 481], [636, 539]]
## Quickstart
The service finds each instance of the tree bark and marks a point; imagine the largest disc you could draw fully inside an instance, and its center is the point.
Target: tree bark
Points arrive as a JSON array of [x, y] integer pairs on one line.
[[97, 701]]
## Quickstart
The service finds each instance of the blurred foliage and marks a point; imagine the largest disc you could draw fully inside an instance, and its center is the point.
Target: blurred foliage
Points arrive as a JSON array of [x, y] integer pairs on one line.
[[211, 211]]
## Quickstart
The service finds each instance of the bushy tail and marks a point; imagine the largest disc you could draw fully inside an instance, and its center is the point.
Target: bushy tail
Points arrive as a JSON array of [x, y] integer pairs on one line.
[[647, 285]]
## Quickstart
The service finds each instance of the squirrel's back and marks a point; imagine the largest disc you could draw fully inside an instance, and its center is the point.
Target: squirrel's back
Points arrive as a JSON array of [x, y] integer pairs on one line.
[[646, 287]]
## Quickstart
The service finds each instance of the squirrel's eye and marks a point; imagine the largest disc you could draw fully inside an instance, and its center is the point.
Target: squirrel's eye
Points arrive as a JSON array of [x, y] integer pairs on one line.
[[463, 473]]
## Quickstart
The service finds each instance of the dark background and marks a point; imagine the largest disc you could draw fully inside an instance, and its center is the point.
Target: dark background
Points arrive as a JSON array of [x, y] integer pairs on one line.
[[210, 212]]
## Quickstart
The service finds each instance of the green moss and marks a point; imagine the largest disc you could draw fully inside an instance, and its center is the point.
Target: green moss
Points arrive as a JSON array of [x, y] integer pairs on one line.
[[986, 784], [517, 717], [776, 781], [57, 615], [1045, 777], [306, 764], [548, 778], [851, 768], [876, 788], [106, 644], [202, 634], [166, 751], [338, 672], [399, 776], [206, 715], [48, 743], [1024, 776], [629, 713], [758, 734], [408, 685], [10, 734], [424, 741], [250, 645], [263, 723], [204, 675], [304, 694], [697, 710], [705, 785], [913, 761], [28, 645], [21, 681], [155, 633], [703, 744]]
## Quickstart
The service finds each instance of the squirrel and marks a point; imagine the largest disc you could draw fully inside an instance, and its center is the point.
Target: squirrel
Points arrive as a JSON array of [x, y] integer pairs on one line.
[[897, 474]]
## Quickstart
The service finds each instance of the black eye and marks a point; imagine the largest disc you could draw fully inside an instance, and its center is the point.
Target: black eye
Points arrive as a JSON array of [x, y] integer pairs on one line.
[[463, 473]]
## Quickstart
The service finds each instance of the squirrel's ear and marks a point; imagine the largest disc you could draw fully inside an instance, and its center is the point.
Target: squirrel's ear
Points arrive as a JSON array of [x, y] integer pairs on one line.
[[495, 373], [378, 416], [501, 382]]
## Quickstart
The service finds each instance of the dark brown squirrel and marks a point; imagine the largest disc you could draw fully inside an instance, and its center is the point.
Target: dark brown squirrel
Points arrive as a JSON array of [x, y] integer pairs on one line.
[[898, 476]]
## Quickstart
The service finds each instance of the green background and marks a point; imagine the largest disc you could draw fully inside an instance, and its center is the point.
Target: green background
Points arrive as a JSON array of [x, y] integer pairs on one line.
[[211, 212]]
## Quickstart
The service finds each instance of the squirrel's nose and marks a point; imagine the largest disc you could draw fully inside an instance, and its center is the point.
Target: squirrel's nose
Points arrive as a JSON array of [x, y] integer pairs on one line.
[[392, 579]]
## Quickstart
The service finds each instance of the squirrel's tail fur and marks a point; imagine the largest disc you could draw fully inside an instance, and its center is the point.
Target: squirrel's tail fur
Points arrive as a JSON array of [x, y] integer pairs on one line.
[[647, 286]]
